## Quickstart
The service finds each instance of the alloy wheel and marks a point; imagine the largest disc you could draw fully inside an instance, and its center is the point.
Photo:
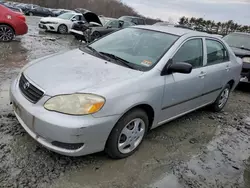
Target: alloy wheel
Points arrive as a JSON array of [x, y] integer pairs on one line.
[[6, 33], [131, 136], [62, 29], [223, 97]]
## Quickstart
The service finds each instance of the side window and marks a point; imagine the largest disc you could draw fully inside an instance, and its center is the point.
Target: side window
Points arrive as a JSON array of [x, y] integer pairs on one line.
[[134, 20], [127, 24], [114, 24], [141, 22], [190, 52], [77, 17], [216, 52]]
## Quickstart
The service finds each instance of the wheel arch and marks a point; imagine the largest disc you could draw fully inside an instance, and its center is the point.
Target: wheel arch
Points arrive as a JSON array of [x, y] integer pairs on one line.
[[232, 84], [146, 107]]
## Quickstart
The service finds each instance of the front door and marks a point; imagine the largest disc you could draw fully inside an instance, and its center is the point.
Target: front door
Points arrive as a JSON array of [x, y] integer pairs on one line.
[[183, 92], [217, 70]]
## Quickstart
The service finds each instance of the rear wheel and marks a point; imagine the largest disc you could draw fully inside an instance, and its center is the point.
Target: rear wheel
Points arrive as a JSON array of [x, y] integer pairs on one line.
[[222, 99], [6, 33], [31, 14], [62, 29], [128, 134]]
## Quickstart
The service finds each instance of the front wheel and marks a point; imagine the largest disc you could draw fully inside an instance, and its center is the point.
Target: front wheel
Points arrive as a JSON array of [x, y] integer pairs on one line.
[[62, 29], [31, 14], [222, 99], [128, 134], [6, 33]]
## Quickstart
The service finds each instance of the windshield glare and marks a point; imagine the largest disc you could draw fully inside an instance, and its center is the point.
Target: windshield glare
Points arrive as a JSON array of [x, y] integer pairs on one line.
[[140, 47], [238, 40], [65, 16]]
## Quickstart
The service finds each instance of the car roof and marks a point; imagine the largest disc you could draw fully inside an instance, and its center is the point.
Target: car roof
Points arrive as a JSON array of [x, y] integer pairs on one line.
[[131, 17], [242, 33], [172, 30]]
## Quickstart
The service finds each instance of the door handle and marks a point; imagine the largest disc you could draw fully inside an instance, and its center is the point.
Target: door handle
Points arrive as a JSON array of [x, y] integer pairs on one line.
[[202, 74], [228, 68]]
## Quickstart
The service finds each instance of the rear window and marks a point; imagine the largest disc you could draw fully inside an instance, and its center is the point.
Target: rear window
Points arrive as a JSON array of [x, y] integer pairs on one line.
[[238, 40]]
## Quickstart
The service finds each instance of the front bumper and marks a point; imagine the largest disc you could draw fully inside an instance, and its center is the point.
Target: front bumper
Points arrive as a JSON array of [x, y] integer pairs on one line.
[[89, 134], [48, 27]]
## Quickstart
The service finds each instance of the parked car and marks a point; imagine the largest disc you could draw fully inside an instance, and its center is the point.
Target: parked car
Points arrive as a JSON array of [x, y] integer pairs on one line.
[[26, 8], [163, 23], [240, 44], [58, 12], [90, 19], [11, 7], [135, 20], [39, 11], [11, 24], [109, 27], [109, 94], [61, 24]]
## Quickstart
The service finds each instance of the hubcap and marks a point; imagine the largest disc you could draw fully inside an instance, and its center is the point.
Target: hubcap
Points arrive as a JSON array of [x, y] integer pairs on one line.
[[131, 136], [224, 97], [6, 33]]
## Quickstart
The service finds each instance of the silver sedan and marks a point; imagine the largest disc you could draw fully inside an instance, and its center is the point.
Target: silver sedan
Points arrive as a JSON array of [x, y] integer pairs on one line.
[[107, 95]]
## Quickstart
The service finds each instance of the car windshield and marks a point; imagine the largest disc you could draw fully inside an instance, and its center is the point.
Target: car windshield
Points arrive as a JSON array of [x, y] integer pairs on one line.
[[238, 40], [139, 47], [66, 16]]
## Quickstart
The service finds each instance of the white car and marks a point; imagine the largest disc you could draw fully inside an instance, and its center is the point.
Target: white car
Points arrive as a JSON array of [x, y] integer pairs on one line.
[[61, 24]]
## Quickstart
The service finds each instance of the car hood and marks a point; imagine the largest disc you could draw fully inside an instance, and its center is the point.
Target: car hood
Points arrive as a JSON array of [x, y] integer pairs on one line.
[[52, 19], [76, 71], [240, 52]]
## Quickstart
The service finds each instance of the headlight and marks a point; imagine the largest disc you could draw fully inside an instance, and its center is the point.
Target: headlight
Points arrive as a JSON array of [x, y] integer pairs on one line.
[[75, 104], [246, 59]]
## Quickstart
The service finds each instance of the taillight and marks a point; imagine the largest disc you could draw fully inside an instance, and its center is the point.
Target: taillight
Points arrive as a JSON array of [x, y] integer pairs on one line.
[[21, 17]]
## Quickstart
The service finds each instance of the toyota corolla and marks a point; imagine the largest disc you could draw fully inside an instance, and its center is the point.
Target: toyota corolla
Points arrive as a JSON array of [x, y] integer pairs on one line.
[[107, 95]]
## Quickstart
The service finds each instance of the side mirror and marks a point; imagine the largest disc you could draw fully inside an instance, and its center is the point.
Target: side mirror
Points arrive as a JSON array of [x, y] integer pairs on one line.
[[73, 19], [179, 67]]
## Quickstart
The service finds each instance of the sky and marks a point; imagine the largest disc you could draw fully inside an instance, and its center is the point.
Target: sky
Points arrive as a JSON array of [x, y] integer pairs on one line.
[[172, 10]]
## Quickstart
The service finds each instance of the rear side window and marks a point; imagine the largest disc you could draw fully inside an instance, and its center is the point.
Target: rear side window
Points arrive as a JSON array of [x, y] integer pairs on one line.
[[140, 21], [190, 52], [216, 52]]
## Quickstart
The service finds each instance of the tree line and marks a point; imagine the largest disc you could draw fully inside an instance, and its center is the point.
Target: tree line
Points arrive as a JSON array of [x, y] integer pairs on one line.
[[108, 8], [213, 27]]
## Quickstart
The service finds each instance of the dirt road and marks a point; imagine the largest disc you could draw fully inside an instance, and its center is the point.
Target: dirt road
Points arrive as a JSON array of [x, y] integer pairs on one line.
[[202, 149]]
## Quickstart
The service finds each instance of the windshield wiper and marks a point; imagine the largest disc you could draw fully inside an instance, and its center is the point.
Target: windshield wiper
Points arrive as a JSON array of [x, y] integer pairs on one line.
[[242, 47], [116, 58], [96, 52]]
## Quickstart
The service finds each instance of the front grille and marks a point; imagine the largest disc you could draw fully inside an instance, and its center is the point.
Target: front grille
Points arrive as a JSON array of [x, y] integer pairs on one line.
[[32, 93]]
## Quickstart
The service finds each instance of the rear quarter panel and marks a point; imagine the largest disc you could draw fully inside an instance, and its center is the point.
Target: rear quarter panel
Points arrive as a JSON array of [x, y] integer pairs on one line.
[[236, 66]]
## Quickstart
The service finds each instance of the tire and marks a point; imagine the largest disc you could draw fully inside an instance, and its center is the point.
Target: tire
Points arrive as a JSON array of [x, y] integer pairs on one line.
[[6, 33], [30, 14], [95, 35], [222, 99], [62, 29], [119, 144]]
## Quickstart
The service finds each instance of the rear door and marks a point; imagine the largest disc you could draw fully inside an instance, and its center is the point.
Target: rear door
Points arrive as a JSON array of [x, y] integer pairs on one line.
[[217, 69]]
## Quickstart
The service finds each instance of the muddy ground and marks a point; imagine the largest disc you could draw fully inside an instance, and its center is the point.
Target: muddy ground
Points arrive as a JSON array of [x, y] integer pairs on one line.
[[202, 149]]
